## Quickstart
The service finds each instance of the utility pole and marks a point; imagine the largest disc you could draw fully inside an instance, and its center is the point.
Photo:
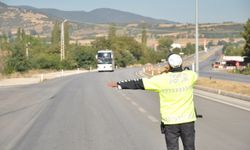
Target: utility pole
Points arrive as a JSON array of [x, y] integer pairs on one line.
[[196, 36], [62, 41], [27, 50], [205, 47]]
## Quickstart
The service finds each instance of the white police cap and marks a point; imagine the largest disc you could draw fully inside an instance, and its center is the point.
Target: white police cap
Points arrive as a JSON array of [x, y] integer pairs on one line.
[[175, 60]]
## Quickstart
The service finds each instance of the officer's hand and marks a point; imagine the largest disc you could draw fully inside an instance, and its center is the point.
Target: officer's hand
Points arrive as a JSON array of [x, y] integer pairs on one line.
[[112, 84], [165, 69]]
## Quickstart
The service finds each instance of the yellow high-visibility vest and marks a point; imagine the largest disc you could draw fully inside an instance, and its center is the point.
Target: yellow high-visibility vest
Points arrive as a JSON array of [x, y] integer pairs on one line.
[[176, 95]]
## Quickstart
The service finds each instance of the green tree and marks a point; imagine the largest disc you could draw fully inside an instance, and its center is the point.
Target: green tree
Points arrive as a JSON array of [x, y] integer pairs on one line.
[[46, 61], [246, 36], [189, 49], [165, 44], [144, 35], [101, 43], [164, 47], [112, 31], [176, 50], [4, 49], [123, 58], [4, 44], [16, 62], [151, 56], [23, 35], [19, 35], [232, 50], [55, 38], [84, 56]]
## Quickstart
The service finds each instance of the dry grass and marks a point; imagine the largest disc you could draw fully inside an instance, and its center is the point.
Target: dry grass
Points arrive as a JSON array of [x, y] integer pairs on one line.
[[25, 74], [230, 86]]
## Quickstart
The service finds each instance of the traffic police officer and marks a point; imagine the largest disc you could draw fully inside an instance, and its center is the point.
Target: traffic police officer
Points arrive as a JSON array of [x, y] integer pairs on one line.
[[177, 110]]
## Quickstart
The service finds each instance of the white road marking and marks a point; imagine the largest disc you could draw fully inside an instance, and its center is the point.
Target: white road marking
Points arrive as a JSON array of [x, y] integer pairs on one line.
[[124, 95], [134, 103], [142, 110], [128, 98], [223, 102], [152, 118]]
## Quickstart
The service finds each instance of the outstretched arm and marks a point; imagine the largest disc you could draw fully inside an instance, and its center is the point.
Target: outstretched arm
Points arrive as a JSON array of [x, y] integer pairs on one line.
[[128, 84], [112, 84]]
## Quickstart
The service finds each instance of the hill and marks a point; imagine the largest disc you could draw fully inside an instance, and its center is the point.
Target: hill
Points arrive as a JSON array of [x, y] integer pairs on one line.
[[89, 25], [101, 15], [12, 18]]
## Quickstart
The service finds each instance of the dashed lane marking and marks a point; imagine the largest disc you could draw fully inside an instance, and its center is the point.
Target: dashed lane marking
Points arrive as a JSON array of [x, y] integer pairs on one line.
[[134, 103], [142, 110], [124, 95], [128, 98], [152, 118]]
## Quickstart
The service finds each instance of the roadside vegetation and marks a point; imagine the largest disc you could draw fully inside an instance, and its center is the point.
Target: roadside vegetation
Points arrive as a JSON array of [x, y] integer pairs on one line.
[[233, 87], [241, 48], [23, 52], [246, 52]]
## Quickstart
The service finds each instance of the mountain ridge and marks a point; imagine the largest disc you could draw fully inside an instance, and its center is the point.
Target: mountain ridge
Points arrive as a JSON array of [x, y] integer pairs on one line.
[[99, 15]]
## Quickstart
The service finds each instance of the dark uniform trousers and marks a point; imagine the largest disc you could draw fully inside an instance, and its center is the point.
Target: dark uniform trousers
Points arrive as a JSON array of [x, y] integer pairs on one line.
[[185, 131]]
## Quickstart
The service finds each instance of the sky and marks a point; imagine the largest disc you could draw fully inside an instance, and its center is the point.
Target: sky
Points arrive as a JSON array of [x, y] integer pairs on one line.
[[210, 11]]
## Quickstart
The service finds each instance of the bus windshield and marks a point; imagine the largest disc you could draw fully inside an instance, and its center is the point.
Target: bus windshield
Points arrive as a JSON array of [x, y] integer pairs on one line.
[[104, 58]]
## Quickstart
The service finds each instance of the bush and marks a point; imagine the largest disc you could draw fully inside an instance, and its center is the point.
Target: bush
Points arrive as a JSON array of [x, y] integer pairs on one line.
[[245, 71], [16, 62], [124, 58], [67, 64], [46, 61], [84, 57]]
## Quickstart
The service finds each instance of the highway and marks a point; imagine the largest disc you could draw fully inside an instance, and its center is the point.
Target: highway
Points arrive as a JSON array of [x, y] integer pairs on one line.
[[206, 70], [80, 112]]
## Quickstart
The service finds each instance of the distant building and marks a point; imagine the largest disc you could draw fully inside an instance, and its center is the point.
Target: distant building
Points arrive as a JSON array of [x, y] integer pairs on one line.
[[234, 62]]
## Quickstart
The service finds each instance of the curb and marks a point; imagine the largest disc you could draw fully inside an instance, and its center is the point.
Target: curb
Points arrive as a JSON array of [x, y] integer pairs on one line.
[[224, 93], [39, 78]]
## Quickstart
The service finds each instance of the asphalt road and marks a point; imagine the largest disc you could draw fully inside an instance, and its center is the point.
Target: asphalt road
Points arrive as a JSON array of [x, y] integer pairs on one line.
[[81, 113], [206, 70]]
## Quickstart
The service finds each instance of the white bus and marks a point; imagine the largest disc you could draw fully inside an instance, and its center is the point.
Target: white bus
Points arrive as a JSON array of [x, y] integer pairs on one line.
[[105, 60]]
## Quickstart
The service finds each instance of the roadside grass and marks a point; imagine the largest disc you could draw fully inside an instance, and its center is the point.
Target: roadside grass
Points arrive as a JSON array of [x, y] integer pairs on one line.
[[225, 85], [26, 74], [245, 71]]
